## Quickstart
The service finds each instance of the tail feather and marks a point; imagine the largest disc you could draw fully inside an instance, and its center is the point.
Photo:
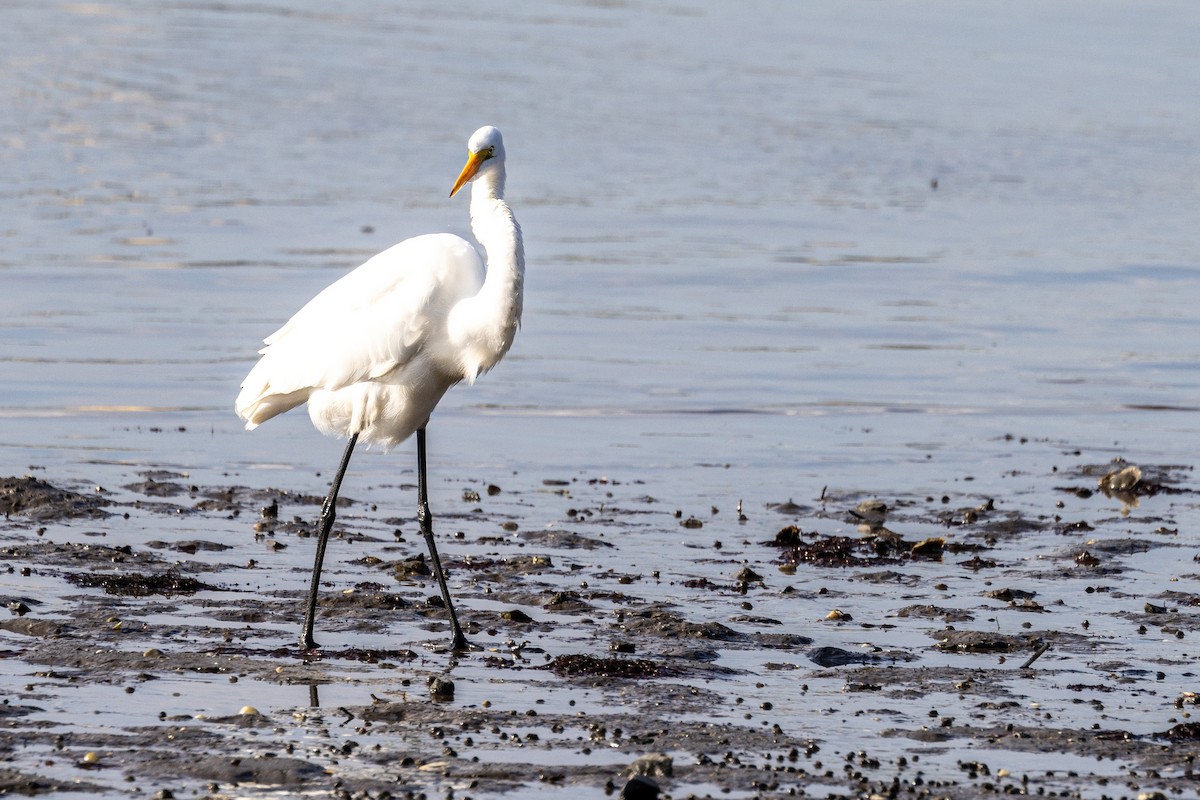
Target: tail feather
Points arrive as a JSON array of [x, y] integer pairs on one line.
[[258, 407]]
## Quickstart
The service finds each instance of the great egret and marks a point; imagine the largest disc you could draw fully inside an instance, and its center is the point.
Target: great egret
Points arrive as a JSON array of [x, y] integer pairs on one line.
[[374, 352]]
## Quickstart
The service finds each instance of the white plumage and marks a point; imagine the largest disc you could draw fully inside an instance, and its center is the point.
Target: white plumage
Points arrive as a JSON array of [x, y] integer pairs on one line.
[[374, 353]]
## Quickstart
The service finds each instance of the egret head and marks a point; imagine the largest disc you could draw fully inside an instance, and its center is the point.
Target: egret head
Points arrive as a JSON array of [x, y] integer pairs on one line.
[[485, 145]]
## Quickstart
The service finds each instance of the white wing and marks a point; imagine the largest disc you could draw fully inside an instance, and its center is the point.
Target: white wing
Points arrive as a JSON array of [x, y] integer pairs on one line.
[[371, 321]]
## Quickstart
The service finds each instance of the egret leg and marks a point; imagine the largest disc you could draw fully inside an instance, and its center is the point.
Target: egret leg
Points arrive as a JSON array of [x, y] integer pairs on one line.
[[328, 515], [426, 521]]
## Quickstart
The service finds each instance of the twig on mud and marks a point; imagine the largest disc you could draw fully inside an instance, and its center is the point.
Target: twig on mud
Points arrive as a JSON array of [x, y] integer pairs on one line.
[[1042, 648]]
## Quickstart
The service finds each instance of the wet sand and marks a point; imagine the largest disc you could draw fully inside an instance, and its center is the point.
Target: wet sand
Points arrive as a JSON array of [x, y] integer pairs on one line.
[[853, 644]]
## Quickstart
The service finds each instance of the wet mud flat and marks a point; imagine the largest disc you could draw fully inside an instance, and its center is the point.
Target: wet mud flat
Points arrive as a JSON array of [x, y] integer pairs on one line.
[[860, 642]]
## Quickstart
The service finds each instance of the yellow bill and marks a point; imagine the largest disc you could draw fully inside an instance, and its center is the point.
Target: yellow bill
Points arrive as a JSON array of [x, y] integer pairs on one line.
[[468, 172]]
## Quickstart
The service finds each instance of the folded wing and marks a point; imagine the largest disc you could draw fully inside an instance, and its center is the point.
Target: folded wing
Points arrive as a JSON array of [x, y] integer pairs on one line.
[[362, 327]]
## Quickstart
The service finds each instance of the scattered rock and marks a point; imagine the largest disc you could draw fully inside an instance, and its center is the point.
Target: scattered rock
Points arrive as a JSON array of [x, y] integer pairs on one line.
[[639, 787], [440, 688], [653, 765]]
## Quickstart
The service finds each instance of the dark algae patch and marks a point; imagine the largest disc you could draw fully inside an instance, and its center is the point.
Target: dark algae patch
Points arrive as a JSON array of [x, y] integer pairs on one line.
[[135, 585]]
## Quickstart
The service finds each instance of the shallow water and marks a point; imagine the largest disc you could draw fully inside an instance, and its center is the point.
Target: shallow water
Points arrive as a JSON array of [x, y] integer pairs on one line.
[[744, 284]]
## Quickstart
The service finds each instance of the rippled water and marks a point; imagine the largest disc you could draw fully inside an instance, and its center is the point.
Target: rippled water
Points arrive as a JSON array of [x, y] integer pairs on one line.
[[772, 246]]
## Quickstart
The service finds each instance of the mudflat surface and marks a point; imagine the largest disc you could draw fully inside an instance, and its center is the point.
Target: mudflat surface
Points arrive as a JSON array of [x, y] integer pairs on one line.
[[852, 645]]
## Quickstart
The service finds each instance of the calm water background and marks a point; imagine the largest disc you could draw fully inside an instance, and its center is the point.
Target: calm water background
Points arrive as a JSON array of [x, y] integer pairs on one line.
[[735, 252], [742, 280]]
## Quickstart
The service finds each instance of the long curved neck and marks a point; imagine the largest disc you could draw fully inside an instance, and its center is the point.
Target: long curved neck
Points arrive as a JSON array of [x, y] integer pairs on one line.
[[497, 231]]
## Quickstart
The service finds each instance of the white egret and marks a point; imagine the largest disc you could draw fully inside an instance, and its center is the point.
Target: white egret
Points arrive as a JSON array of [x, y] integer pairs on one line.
[[374, 352]]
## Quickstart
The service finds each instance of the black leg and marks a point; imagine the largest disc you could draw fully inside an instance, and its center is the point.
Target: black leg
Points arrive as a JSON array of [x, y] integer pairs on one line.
[[328, 515], [426, 521]]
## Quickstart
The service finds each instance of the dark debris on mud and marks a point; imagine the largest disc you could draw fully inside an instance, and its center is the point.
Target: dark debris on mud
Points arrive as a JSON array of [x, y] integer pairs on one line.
[[582, 665], [878, 546], [37, 500]]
